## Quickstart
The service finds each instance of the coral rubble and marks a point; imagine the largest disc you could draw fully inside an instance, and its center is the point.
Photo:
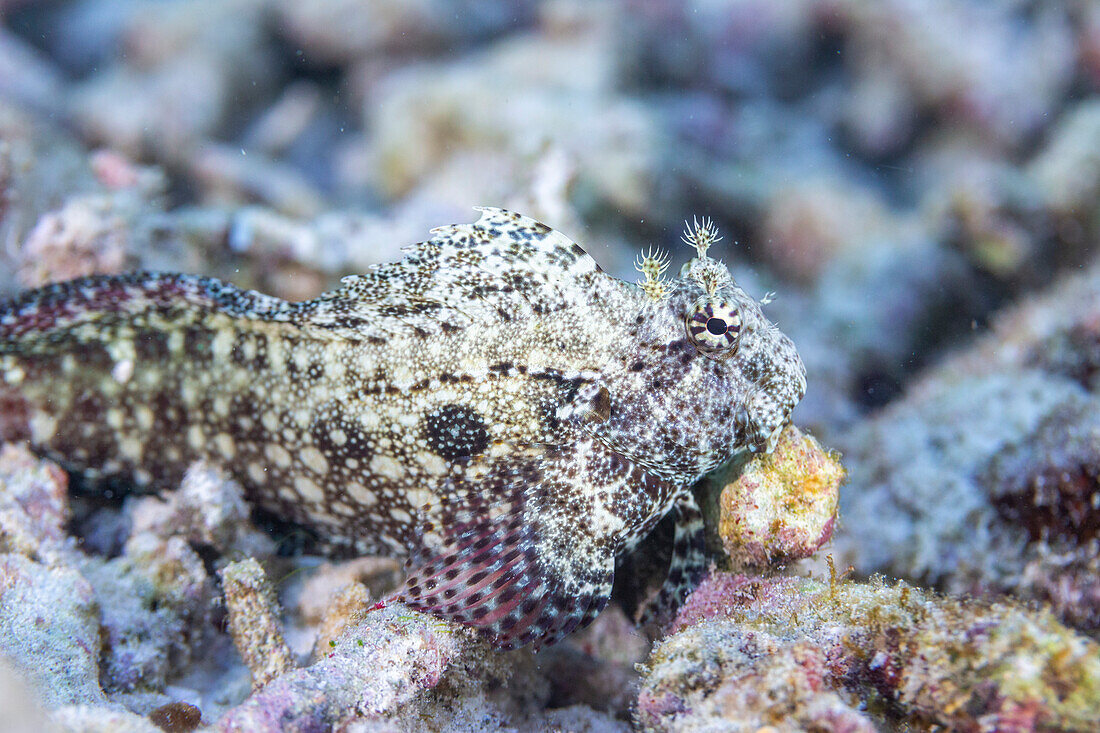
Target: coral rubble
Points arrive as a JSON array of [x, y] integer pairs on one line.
[[983, 477], [780, 507], [253, 621], [798, 653]]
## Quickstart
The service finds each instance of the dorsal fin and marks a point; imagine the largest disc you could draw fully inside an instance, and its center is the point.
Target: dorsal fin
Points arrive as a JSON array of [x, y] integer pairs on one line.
[[504, 267], [107, 298]]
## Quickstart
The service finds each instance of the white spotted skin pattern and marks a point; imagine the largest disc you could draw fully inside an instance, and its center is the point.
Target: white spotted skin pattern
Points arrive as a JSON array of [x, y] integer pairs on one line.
[[494, 407]]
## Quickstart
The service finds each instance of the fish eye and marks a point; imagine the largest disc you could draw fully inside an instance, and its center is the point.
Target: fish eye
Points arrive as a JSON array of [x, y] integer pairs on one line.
[[714, 326]]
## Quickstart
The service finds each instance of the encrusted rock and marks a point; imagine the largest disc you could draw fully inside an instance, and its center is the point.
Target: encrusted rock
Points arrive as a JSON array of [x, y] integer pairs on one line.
[[208, 509], [254, 621], [34, 505], [88, 235], [782, 651], [782, 506], [154, 603], [717, 676], [983, 477], [345, 608], [49, 630], [400, 652], [377, 575]]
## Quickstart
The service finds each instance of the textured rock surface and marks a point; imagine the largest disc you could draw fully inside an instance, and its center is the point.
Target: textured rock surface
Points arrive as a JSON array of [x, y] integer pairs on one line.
[[208, 510], [253, 621], [400, 651], [154, 605], [984, 477], [780, 507], [798, 653], [34, 505], [49, 630]]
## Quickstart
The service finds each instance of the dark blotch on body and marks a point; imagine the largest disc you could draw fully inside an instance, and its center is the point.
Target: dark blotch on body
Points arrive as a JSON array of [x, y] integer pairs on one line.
[[454, 431], [152, 347], [197, 345]]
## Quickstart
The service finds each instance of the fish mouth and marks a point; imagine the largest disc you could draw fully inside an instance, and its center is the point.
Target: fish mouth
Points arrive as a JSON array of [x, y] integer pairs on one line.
[[750, 434], [759, 435], [764, 442]]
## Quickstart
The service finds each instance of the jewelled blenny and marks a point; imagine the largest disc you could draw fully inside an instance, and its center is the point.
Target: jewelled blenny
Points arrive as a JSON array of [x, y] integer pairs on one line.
[[495, 407]]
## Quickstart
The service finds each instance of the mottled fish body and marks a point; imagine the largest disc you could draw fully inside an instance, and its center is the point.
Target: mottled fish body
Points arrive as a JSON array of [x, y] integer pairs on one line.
[[493, 407]]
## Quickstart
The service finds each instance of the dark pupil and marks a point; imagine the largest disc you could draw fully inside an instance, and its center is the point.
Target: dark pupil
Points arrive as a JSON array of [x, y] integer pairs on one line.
[[716, 326]]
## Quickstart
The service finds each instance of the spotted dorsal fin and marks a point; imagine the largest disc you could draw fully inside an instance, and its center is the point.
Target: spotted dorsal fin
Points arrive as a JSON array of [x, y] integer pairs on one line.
[[504, 267]]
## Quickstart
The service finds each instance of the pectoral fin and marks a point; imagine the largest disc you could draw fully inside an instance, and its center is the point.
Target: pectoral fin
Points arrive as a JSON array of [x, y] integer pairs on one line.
[[492, 557]]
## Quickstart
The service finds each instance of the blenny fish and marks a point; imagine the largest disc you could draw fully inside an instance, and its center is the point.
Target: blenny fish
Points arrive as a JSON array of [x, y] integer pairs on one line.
[[494, 407]]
